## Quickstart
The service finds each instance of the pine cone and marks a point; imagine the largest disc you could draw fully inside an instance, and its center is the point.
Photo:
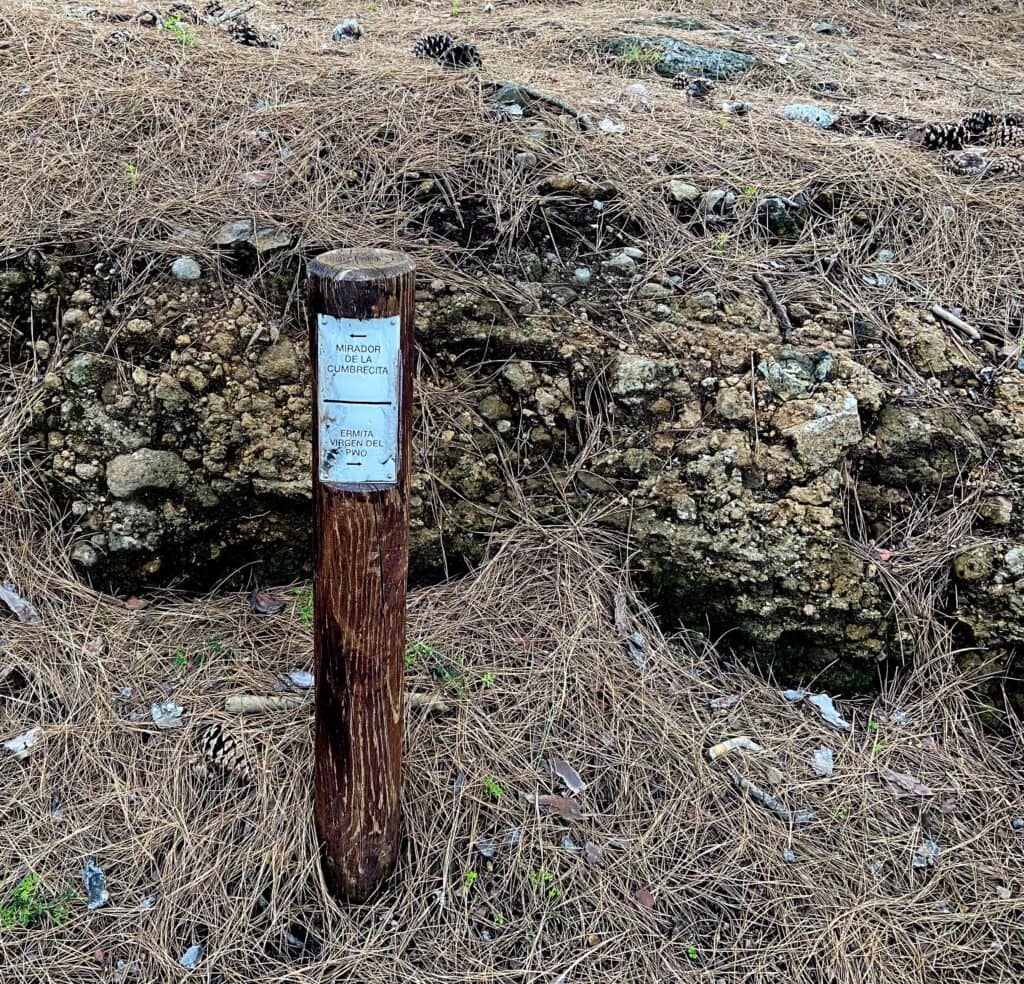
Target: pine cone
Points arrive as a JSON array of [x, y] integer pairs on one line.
[[223, 750], [432, 45], [695, 88], [461, 56]]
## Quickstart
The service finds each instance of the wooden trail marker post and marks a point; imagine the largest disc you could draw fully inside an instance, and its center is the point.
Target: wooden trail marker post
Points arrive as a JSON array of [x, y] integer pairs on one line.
[[361, 304]]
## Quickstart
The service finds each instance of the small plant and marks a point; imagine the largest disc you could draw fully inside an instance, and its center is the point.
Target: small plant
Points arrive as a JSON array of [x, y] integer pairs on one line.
[[872, 726], [455, 9], [498, 916], [488, 679], [640, 56], [29, 906], [178, 657], [183, 33], [421, 652], [470, 879], [304, 606], [133, 174], [543, 880], [876, 748], [721, 241], [493, 787], [750, 192], [692, 953]]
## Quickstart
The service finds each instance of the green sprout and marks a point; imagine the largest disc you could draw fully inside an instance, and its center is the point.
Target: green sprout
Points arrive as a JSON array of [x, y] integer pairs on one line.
[[488, 679], [542, 879], [872, 726], [133, 174], [493, 787], [750, 192], [305, 606], [183, 33], [640, 56], [692, 953], [471, 877], [721, 240], [178, 657], [29, 906]]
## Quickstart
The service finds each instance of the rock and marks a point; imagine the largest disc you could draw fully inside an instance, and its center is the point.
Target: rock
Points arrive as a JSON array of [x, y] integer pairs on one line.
[[623, 265], [683, 191], [279, 363], [562, 296], [822, 440], [186, 268], [84, 555], [633, 252], [264, 239], [672, 21], [679, 57], [809, 113], [637, 374], [792, 375], [1014, 561], [783, 217], [998, 510], [144, 469], [827, 27], [582, 276], [493, 407], [526, 159], [348, 30], [88, 371]]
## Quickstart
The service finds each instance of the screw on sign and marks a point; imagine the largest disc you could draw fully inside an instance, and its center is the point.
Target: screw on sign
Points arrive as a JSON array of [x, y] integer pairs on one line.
[[361, 337]]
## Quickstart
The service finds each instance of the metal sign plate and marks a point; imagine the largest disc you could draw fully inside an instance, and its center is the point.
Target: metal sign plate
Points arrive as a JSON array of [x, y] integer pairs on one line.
[[360, 378]]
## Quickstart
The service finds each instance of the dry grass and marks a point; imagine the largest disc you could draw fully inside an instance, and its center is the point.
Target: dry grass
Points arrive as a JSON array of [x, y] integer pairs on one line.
[[536, 668], [130, 150], [536, 662]]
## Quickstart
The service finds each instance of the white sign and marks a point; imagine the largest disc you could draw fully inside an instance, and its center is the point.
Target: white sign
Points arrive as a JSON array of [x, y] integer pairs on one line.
[[360, 382]]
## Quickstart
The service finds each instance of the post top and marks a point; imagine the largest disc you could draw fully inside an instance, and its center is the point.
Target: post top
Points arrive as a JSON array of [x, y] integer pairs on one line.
[[361, 263]]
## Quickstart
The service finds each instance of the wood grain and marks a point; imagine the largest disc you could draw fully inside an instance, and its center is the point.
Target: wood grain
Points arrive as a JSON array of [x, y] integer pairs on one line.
[[361, 555]]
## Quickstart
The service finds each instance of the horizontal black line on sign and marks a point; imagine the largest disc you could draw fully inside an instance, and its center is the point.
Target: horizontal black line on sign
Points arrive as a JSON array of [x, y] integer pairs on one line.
[[363, 403]]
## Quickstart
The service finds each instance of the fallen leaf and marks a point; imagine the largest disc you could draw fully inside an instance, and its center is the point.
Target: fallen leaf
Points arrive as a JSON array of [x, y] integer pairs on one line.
[[565, 806], [644, 897], [568, 775], [721, 703], [899, 781], [25, 612], [264, 603], [135, 604], [593, 854], [95, 646], [257, 179], [824, 706], [21, 746], [95, 884]]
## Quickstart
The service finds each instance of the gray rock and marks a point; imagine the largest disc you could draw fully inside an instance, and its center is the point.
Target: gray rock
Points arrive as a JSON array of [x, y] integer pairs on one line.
[[84, 555], [191, 957], [783, 217], [144, 469], [827, 27], [186, 268], [1014, 561], [823, 439], [675, 57], [623, 265], [809, 113], [526, 159], [633, 252], [264, 238], [582, 276], [348, 30], [95, 884], [637, 374], [683, 191]]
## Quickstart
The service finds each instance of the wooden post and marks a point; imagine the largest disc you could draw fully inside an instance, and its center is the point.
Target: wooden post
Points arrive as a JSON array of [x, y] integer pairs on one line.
[[361, 304]]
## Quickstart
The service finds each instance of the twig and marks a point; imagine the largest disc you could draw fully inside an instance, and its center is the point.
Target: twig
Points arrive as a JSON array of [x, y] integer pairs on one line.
[[545, 97], [776, 306], [951, 319], [230, 15]]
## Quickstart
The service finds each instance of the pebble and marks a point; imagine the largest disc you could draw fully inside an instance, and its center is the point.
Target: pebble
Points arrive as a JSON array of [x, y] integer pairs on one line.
[[683, 191], [582, 276], [348, 30], [633, 252], [808, 113], [191, 957], [186, 268], [526, 159], [623, 263]]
